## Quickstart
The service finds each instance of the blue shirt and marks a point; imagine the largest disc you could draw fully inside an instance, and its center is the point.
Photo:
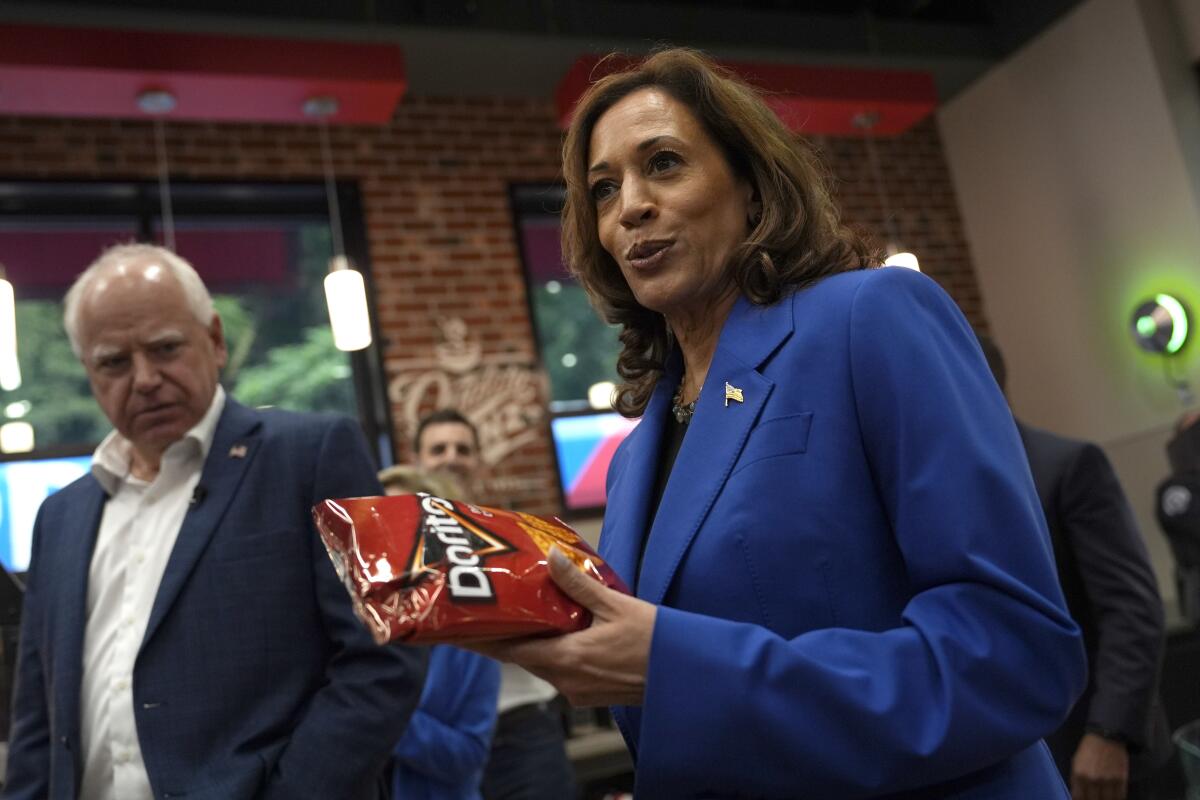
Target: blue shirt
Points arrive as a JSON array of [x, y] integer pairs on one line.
[[445, 747]]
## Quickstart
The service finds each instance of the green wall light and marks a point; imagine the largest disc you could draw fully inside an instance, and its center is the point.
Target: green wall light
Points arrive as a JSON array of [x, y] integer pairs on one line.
[[1146, 326], [1161, 325]]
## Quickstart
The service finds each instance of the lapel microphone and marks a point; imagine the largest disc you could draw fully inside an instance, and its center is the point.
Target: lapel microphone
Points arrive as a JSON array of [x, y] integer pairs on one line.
[[198, 495]]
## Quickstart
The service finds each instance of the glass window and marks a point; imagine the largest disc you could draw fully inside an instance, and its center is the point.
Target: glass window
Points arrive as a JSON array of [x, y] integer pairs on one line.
[[262, 250], [578, 350], [41, 258], [266, 280]]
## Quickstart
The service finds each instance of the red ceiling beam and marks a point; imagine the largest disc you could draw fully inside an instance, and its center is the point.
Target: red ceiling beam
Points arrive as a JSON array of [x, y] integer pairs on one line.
[[810, 100], [85, 72]]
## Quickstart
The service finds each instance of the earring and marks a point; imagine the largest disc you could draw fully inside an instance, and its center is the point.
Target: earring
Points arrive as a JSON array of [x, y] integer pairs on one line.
[[756, 216]]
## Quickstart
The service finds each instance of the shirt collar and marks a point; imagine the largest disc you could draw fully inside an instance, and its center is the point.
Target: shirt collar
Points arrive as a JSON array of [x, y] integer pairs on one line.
[[112, 459]]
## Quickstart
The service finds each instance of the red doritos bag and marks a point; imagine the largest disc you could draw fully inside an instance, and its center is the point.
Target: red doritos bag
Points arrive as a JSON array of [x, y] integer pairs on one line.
[[423, 569]]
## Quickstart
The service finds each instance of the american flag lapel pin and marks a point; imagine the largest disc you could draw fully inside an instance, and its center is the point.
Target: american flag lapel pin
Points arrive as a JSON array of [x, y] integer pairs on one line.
[[237, 451], [732, 393]]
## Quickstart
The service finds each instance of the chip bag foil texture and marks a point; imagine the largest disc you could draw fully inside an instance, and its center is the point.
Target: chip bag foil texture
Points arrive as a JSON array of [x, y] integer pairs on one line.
[[428, 570]]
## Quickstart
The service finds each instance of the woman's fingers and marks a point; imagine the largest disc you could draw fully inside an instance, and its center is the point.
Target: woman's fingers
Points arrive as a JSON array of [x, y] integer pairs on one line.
[[604, 664], [588, 592]]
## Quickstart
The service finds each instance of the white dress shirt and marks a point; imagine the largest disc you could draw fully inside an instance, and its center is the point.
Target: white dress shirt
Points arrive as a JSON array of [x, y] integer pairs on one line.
[[519, 687], [138, 529]]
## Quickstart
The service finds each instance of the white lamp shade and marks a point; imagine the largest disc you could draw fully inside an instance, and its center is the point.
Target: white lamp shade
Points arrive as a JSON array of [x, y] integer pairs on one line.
[[16, 437], [906, 260], [346, 295], [10, 369]]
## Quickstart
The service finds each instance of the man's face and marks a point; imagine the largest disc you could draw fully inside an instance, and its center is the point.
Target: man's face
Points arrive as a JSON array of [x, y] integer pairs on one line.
[[449, 446], [152, 366]]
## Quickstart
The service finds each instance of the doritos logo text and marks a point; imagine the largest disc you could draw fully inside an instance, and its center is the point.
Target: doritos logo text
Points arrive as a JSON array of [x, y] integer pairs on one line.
[[446, 535]]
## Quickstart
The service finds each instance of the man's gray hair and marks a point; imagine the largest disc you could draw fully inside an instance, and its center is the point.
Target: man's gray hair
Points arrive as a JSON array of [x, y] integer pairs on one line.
[[199, 301]]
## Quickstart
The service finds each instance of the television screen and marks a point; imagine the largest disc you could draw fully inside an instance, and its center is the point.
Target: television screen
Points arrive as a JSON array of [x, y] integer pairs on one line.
[[23, 487], [585, 445]]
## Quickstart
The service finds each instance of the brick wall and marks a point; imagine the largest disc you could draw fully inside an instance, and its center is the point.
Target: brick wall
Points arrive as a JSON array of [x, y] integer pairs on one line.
[[920, 196], [435, 184]]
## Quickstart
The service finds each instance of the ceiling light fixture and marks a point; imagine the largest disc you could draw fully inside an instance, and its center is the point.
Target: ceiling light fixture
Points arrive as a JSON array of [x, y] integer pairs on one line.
[[345, 289], [157, 103], [10, 367]]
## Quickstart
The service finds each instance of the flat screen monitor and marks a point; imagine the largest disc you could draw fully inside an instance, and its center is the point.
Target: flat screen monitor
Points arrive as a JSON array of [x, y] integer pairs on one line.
[[23, 487], [584, 445]]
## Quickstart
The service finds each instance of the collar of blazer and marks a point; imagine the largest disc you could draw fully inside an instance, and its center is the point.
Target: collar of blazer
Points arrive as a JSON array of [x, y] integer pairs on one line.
[[234, 446], [716, 436]]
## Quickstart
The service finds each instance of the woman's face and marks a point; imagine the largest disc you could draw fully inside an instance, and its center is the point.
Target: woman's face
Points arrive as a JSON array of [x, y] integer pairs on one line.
[[669, 209]]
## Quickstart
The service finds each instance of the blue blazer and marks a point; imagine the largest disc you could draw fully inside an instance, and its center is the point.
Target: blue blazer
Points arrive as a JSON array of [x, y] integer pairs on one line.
[[445, 747], [857, 593], [254, 678]]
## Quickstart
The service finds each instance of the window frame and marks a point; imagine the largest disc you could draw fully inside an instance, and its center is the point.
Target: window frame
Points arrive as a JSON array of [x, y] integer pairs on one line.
[[547, 198]]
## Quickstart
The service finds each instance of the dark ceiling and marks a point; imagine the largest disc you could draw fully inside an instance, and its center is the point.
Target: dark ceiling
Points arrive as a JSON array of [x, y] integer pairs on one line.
[[523, 47]]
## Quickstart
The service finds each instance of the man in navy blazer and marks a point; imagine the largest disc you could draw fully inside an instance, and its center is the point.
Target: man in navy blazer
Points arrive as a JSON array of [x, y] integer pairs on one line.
[[1116, 735], [184, 632]]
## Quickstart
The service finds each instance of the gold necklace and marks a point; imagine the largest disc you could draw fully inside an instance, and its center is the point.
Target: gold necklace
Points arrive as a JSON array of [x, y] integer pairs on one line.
[[682, 411]]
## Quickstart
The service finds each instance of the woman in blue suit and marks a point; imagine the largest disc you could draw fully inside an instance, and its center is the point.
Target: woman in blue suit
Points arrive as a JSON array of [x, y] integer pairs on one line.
[[844, 586]]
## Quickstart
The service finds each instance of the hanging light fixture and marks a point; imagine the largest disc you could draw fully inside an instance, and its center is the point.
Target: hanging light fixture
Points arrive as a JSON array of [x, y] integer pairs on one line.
[[345, 290], [10, 367], [16, 437], [158, 103], [896, 255]]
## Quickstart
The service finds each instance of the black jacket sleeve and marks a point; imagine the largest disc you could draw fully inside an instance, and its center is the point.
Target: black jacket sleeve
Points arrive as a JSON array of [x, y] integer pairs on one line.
[[1121, 592]]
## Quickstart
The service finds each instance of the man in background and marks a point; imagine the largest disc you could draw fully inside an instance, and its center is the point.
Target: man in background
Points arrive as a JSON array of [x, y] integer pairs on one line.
[[445, 747], [184, 632], [1116, 735], [1179, 512], [448, 442], [529, 758]]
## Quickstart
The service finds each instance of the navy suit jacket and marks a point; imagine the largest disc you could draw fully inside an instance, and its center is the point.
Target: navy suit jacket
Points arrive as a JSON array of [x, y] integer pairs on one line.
[[254, 678], [857, 594]]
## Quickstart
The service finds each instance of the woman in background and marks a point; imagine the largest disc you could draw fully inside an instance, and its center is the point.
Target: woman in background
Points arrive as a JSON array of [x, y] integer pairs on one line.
[[844, 587]]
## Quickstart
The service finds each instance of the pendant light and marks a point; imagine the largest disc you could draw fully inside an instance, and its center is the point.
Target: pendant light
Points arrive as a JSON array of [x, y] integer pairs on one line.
[[896, 255], [158, 103], [345, 290], [10, 367], [16, 437]]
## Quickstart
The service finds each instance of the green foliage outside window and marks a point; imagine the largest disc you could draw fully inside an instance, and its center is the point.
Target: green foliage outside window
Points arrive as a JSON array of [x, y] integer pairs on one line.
[[578, 348], [53, 383]]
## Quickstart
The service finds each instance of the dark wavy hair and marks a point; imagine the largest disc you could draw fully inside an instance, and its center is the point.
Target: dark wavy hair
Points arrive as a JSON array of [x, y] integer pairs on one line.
[[798, 240]]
